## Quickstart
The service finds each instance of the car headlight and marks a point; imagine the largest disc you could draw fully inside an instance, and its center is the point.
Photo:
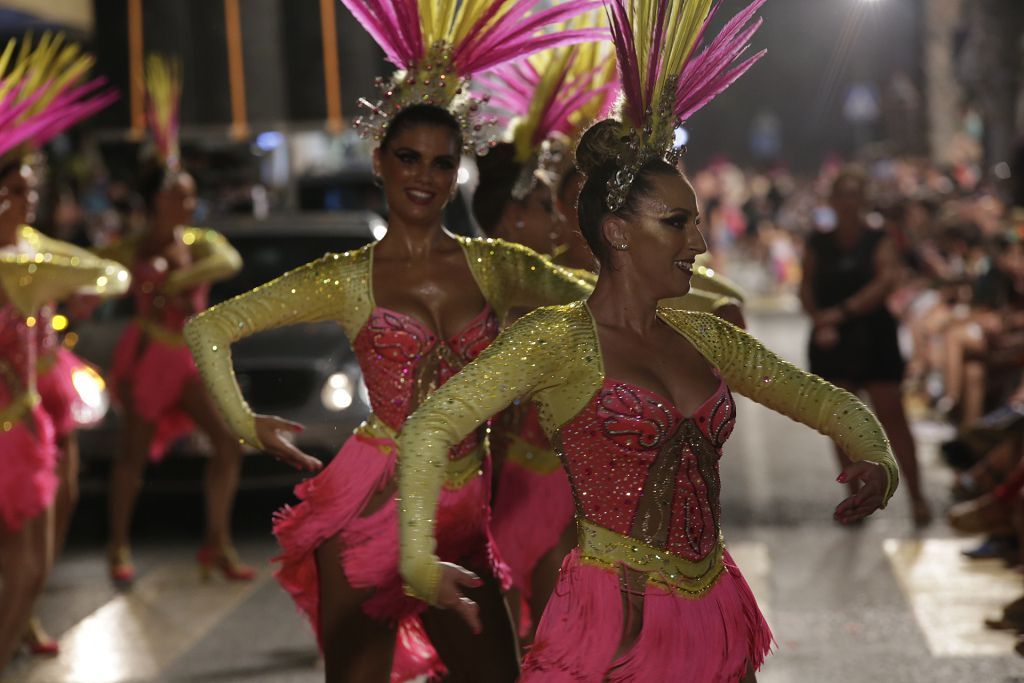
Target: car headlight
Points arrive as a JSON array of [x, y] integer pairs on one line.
[[337, 392]]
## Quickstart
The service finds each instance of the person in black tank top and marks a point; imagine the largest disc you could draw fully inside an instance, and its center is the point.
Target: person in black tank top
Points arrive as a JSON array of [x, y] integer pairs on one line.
[[848, 275]]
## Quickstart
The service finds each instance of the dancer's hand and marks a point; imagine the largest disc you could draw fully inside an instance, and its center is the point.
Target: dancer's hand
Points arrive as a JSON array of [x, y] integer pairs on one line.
[[271, 431], [450, 596], [869, 498]]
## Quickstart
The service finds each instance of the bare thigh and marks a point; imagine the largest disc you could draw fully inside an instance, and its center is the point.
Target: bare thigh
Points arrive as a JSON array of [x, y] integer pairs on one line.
[[198, 405], [356, 648], [493, 655]]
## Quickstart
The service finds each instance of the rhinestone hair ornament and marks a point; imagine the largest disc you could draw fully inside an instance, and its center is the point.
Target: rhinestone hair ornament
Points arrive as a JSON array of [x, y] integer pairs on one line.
[[438, 45], [44, 91], [664, 79], [546, 100]]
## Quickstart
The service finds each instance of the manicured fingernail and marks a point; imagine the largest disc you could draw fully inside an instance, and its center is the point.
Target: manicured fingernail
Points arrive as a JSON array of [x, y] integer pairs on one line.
[[842, 478]]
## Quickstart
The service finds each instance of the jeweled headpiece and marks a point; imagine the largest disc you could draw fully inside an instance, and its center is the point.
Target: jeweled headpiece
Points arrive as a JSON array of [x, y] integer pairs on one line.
[[43, 92], [163, 106], [438, 45], [664, 79], [547, 99]]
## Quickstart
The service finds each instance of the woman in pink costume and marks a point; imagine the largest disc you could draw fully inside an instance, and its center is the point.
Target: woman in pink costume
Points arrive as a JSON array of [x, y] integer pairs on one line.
[[153, 376], [416, 307], [636, 398], [34, 271], [550, 99]]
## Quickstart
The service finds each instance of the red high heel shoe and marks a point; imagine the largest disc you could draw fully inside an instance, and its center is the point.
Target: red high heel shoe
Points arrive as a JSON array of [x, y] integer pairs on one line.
[[38, 641], [122, 571], [224, 560]]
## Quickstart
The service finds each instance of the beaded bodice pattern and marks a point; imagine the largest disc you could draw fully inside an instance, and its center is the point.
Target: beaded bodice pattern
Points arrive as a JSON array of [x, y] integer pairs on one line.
[[403, 361], [641, 468]]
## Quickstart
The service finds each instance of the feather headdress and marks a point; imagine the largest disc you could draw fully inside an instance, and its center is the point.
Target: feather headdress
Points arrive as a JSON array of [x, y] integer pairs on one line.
[[665, 80], [43, 92], [548, 98], [438, 45], [163, 102]]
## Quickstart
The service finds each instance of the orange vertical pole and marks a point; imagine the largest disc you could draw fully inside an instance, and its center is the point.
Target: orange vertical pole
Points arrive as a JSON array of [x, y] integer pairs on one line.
[[136, 80], [332, 78], [236, 70]]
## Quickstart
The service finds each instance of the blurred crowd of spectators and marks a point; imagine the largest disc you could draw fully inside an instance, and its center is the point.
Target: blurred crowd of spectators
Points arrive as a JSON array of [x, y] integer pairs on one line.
[[959, 300]]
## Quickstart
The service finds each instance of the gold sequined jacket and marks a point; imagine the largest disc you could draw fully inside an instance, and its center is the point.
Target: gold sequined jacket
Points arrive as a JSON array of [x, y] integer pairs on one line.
[[338, 287], [552, 357]]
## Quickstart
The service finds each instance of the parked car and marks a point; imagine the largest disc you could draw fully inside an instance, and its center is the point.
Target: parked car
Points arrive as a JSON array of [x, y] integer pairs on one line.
[[306, 373]]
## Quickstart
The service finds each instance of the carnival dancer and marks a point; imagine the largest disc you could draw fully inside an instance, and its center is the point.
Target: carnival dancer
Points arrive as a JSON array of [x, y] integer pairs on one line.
[[636, 398], [548, 101], [42, 92], [153, 377], [416, 306]]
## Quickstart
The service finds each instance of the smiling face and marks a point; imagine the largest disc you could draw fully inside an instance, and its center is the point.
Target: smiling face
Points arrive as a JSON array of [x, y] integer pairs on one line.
[[662, 236], [18, 201], [419, 169]]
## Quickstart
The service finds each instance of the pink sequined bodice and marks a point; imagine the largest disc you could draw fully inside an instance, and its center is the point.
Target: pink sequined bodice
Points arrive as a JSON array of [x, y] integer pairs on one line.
[[17, 349], [170, 312], [641, 468], [403, 361]]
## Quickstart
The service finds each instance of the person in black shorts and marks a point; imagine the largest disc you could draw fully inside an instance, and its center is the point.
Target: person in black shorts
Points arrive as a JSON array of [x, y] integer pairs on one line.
[[848, 273]]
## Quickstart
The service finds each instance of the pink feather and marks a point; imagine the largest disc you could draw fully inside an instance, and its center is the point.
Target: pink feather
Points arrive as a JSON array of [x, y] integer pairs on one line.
[[65, 110], [707, 75], [515, 35]]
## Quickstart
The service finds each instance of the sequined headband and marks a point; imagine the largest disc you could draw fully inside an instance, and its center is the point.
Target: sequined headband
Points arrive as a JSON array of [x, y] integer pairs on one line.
[[435, 82]]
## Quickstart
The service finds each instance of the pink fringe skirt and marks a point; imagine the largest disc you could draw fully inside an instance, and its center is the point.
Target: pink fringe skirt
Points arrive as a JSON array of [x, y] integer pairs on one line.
[[331, 506], [28, 468], [66, 407], [156, 374], [710, 639], [532, 510]]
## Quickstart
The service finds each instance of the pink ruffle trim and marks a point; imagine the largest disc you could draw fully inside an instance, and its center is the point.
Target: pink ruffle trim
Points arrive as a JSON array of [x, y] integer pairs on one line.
[[710, 639], [331, 503], [60, 398], [531, 512], [28, 470], [157, 376]]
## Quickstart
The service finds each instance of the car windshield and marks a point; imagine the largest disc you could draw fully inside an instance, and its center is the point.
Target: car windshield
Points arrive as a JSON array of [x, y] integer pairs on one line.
[[266, 257]]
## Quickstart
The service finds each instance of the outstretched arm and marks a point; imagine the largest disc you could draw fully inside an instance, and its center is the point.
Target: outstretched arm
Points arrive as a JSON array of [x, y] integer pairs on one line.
[[296, 297], [56, 271], [756, 372], [215, 260]]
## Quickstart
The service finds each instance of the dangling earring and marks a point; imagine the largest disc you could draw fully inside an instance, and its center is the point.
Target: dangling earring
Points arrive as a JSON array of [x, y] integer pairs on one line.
[[520, 224], [378, 182]]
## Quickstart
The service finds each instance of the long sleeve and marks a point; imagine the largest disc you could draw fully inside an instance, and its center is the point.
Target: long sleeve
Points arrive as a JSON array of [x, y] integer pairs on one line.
[[31, 280], [524, 359], [215, 260], [754, 371], [513, 276], [331, 288]]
